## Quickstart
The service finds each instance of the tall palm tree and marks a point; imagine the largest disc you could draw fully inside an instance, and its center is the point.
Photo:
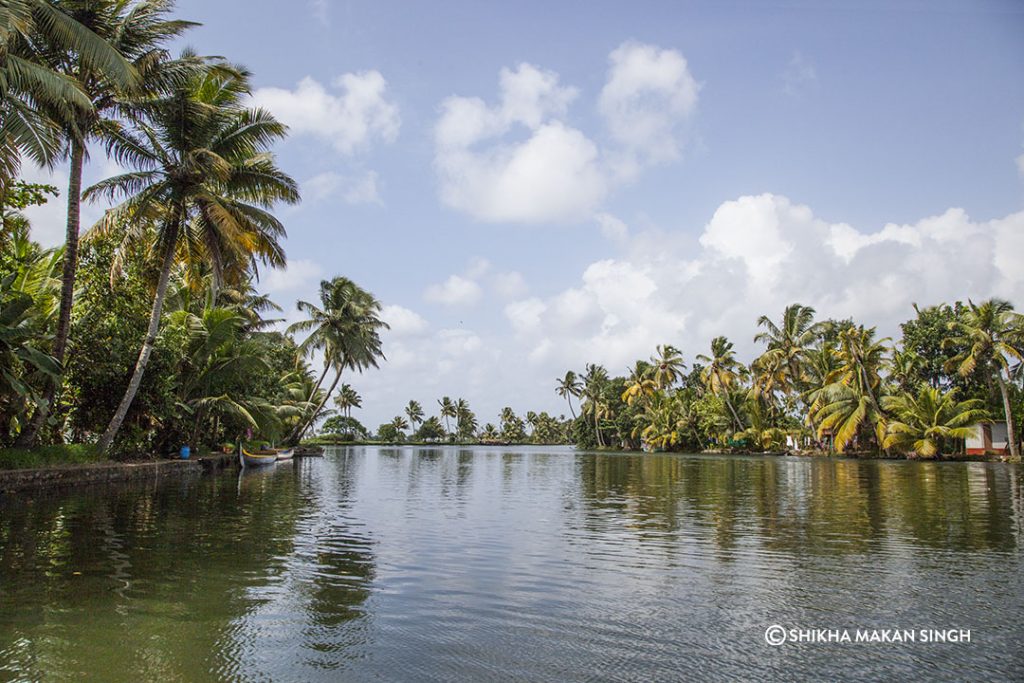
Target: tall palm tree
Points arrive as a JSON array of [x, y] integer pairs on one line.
[[569, 387], [668, 366], [447, 410], [787, 344], [924, 422], [347, 399], [993, 336], [640, 384], [137, 31], [850, 401], [347, 330], [415, 412], [722, 373], [202, 190], [594, 380], [465, 419], [32, 92]]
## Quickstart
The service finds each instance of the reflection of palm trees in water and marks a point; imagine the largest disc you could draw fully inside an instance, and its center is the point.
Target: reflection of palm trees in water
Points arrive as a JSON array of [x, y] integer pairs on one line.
[[175, 579], [321, 583], [800, 507]]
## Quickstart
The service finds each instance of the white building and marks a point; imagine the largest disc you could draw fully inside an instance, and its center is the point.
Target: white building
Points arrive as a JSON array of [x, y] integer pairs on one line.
[[988, 437]]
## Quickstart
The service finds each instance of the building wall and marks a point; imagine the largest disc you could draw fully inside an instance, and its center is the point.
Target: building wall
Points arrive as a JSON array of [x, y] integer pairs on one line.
[[987, 438]]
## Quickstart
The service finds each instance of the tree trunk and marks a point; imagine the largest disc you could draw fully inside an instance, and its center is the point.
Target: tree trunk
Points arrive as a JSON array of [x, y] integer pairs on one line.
[[327, 366], [312, 417], [1011, 432], [147, 344], [597, 428], [67, 290], [300, 428], [739, 425], [569, 400]]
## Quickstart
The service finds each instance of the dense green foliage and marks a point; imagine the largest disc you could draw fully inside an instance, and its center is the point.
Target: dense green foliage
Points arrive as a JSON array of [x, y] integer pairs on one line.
[[818, 386], [148, 334]]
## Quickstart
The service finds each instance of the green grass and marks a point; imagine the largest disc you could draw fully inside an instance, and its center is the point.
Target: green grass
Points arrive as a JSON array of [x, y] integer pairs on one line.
[[48, 456]]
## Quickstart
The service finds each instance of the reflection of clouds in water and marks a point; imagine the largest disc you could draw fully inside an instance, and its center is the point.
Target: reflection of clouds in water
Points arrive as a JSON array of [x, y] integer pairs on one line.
[[440, 562]]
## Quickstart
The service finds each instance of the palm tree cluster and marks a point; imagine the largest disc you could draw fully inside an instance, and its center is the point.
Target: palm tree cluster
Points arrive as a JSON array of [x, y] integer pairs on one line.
[[538, 428], [830, 385], [191, 227]]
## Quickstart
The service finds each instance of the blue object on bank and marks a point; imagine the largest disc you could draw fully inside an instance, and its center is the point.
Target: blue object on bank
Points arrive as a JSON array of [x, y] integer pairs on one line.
[[185, 452]]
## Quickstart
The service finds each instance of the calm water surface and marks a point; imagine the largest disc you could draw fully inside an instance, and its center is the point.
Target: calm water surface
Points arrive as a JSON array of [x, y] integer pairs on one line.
[[532, 564]]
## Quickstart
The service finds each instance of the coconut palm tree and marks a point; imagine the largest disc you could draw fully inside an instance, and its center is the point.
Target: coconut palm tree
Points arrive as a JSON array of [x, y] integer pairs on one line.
[[202, 189], [347, 399], [640, 384], [925, 422], [992, 335], [447, 410], [850, 401], [569, 387], [904, 368], [348, 328], [400, 425], [787, 344], [722, 373], [415, 412], [666, 418], [35, 97], [465, 419], [668, 366], [137, 31], [489, 433], [594, 381]]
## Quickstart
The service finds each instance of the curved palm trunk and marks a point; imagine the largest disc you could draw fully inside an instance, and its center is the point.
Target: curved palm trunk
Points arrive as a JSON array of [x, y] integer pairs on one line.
[[735, 417], [312, 417], [316, 387], [569, 401], [1011, 431], [67, 289], [147, 344], [301, 428], [872, 400], [597, 429]]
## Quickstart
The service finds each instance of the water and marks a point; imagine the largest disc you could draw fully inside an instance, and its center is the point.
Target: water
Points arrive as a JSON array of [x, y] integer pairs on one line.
[[527, 564]]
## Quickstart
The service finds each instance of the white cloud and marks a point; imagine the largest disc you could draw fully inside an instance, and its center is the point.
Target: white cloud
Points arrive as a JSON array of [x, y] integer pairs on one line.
[[404, 322], [557, 174], [360, 189], [349, 119], [298, 274], [649, 93], [510, 285], [612, 228], [478, 267], [756, 255], [525, 315], [455, 291]]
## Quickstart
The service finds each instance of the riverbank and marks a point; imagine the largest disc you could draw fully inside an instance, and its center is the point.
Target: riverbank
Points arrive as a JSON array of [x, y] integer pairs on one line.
[[69, 475]]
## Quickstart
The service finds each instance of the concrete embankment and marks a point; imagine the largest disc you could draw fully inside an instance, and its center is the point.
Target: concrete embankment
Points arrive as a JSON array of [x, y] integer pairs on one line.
[[75, 475]]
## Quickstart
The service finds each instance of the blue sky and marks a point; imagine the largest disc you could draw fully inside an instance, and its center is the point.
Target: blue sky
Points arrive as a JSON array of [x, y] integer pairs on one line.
[[531, 186]]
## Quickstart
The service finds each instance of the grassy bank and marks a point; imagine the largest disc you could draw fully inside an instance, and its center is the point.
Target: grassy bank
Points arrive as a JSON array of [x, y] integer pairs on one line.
[[48, 456]]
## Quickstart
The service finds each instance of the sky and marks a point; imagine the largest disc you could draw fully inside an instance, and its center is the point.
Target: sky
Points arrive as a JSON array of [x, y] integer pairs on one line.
[[528, 187]]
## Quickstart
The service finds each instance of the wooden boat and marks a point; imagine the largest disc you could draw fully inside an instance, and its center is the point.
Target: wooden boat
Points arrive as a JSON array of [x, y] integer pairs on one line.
[[257, 459], [284, 453], [308, 451]]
